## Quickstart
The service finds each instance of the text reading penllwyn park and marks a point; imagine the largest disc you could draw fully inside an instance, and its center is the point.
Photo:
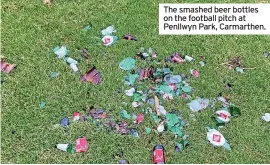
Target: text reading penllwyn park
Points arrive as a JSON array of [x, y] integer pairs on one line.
[[223, 20]]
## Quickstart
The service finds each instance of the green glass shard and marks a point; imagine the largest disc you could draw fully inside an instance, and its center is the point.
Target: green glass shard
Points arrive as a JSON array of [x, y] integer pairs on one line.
[[186, 89], [148, 130], [234, 111]]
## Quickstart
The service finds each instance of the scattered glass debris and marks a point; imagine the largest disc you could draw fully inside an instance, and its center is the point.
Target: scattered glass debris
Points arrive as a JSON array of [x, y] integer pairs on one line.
[[108, 39], [42, 104], [129, 37], [139, 118], [188, 58], [202, 63], [64, 122], [194, 72], [176, 58], [266, 117], [6, 67], [123, 161], [92, 75], [217, 139], [198, 104], [125, 114], [54, 74], [66, 147], [84, 53], [96, 113], [86, 28], [130, 92], [108, 31], [127, 64], [60, 51], [81, 145], [147, 130]]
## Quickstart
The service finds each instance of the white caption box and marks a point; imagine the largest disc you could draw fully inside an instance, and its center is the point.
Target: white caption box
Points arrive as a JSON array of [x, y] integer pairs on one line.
[[214, 19]]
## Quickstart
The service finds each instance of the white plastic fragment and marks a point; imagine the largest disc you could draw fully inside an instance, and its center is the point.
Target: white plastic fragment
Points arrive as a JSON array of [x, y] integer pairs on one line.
[[189, 58], [108, 31], [198, 104], [160, 127], [202, 63], [130, 91], [224, 101], [62, 147], [74, 67], [266, 117], [60, 51], [162, 110], [135, 104], [167, 96]]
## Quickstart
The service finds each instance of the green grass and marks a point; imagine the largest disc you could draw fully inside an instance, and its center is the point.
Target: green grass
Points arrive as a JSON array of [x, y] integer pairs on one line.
[[31, 30]]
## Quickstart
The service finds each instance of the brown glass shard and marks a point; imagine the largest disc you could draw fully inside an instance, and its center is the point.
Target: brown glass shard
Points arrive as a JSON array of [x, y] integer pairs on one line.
[[96, 113], [145, 73], [122, 127], [6, 67], [92, 76], [233, 63]]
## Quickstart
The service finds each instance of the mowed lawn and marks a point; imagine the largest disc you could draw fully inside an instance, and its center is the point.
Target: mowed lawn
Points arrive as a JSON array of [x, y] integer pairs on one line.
[[30, 31]]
